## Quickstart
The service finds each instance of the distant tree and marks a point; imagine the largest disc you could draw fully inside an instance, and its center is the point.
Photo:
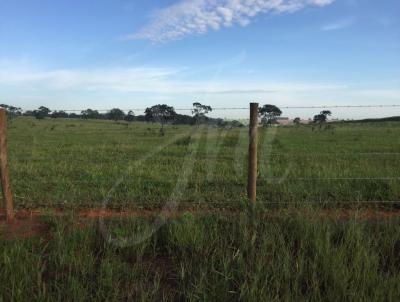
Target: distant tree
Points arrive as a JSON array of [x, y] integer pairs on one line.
[[141, 118], [59, 114], [90, 114], [11, 111], [269, 114], [115, 114], [38, 115], [319, 118], [322, 117], [130, 117], [182, 119], [161, 114], [236, 124], [297, 121], [200, 111], [42, 112]]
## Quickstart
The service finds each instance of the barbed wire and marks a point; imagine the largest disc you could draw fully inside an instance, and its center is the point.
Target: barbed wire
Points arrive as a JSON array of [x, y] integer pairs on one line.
[[67, 157], [238, 202], [335, 154], [101, 181], [246, 108]]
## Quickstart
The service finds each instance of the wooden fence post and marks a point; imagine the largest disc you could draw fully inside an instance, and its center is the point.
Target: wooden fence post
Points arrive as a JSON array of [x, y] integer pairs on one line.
[[5, 178], [252, 172]]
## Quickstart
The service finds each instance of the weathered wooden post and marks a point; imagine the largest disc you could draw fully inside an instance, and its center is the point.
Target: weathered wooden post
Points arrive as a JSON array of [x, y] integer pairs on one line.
[[252, 169], [5, 177]]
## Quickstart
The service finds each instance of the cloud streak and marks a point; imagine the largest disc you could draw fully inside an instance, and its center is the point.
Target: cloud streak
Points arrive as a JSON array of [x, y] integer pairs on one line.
[[113, 79], [125, 87], [190, 17], [149, 80], [337, 25]]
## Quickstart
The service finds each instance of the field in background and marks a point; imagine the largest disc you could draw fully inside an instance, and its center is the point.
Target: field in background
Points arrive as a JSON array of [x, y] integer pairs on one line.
[[90, 163], [218, 250]]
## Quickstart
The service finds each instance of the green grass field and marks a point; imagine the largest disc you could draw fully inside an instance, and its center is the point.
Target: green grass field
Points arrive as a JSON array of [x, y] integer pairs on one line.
[[207, 258], [295, 245], [78, 164]]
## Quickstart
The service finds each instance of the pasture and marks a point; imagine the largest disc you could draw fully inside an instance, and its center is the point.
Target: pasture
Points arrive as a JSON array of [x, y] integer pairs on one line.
[[326, 223], [74, 164]]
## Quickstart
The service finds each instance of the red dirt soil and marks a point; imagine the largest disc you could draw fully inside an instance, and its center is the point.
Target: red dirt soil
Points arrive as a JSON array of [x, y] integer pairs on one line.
[[29, 224]]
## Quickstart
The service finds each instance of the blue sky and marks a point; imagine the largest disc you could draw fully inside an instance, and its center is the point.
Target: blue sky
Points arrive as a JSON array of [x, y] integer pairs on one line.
[[70, 54]]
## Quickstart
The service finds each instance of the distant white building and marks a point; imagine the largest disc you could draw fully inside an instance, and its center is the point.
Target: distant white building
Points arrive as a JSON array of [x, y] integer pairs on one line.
[[284, 121]]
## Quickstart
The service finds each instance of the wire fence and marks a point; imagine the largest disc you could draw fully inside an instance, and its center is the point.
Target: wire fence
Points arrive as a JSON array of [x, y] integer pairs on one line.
[[246, 108], [50, 151]]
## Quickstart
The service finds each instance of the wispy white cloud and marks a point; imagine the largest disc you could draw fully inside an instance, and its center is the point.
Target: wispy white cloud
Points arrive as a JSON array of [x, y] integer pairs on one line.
[[126, 87], [339, 24], [150, 80], [199, 16], [112, 79]]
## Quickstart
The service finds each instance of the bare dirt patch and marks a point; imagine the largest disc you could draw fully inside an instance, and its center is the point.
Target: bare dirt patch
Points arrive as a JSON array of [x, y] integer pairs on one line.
[[23, 228], [29, 224]]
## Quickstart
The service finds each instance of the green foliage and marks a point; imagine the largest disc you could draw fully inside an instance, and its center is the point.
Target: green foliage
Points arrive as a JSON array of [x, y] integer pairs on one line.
[[200, 111], [269, 113], [130, 117], [12, 111], [288, 257], [90, 114], [322, 117], [59, 114], [160, 113], [41, 113], [116, 114]]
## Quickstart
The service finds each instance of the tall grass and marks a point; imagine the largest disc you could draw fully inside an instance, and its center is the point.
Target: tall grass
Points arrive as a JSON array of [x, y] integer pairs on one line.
[[207, 258]]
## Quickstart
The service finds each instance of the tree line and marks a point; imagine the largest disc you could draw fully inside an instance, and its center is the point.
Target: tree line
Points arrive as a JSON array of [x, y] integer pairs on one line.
[[163, 114], [160, 113], [270, 113]]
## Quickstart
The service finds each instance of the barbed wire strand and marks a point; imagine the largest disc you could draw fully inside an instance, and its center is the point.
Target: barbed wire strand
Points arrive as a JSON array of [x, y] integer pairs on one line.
[[246, 108], [270, 154], [102, 181], [242, 203]]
